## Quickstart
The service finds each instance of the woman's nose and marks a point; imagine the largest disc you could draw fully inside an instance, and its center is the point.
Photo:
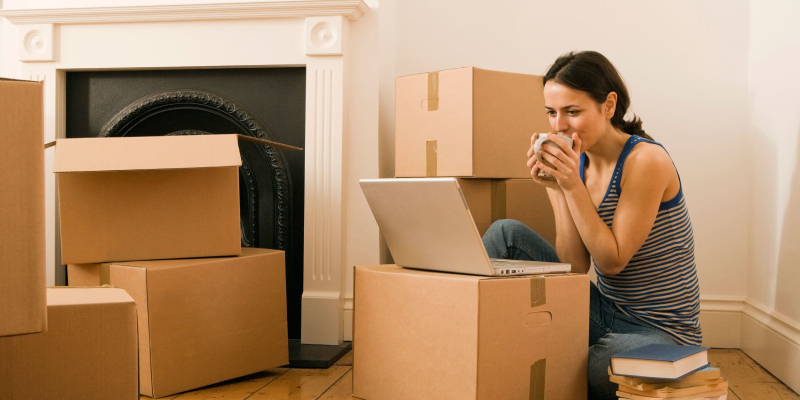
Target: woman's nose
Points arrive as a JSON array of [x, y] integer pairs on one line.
[[561, 123]]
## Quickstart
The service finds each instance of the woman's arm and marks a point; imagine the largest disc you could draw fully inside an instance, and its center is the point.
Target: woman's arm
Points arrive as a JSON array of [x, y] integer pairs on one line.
[[648, 171], [569, 245]]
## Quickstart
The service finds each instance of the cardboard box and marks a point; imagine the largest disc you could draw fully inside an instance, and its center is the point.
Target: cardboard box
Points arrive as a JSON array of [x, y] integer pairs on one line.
[[144, 198], [521, 199], [467, 122], [203, 321], [82, 275], [525, 201], [23, 308], [431, 335], [89, 351]]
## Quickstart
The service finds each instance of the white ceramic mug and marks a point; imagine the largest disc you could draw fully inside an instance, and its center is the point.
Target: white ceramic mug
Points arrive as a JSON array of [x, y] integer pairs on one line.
[[537, 150]]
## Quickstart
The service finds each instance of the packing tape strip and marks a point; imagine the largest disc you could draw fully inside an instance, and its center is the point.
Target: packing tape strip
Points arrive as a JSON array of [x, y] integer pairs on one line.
[[538, 291], [433, 91], [498, 200], [431, 159], [538, 373]]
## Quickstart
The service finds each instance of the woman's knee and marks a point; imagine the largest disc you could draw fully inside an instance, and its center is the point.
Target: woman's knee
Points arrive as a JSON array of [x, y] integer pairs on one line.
[[506, 228]]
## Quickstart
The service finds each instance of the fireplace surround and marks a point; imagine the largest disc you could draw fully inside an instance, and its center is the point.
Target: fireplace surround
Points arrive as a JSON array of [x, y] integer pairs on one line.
[[45, 43]]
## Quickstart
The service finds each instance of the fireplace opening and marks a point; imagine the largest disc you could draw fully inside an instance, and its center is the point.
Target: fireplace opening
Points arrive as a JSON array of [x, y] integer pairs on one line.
[[263, 102]]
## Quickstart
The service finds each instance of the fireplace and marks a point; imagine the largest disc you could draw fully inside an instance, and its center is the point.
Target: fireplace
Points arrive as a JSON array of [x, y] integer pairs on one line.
[[312, 35], [266, 102]]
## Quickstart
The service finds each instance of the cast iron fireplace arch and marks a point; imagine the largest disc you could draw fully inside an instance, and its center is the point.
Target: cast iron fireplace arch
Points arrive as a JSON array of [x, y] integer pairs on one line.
[[126, 122]]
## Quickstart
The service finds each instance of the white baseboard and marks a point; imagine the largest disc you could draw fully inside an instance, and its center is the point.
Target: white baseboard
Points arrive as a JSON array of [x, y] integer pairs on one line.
[[773, 341], [322, 318], [721, 320], [348, 317]]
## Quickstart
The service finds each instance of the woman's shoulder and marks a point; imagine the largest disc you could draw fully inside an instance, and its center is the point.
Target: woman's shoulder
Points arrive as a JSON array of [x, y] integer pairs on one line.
[[650, 160], [649, 153]]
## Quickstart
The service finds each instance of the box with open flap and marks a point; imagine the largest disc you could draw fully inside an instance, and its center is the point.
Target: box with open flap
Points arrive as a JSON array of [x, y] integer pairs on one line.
[[143, 198]]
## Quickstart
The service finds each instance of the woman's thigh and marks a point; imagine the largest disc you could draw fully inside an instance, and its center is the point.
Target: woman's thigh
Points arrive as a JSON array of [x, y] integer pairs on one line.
[[511, 239]]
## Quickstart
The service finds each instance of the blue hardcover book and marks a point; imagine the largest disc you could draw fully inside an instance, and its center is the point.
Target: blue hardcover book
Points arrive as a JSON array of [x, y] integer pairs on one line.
[[663, 361]]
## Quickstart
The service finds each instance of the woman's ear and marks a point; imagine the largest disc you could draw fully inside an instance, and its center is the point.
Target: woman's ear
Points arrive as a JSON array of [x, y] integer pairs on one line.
[[610, 105]]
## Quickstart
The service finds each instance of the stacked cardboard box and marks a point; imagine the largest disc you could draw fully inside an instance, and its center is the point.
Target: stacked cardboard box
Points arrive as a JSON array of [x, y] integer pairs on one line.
[[476, 125], [166, 199], [174, 202], [89, 350], [431, 335], [23, 308]]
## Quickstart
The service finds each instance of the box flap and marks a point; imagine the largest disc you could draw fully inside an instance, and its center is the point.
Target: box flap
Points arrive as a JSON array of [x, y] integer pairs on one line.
[[64, 295], [177, 263], [150, 152]]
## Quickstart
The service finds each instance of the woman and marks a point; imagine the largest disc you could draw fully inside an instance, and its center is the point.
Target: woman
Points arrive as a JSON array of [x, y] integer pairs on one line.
[[618, 201]]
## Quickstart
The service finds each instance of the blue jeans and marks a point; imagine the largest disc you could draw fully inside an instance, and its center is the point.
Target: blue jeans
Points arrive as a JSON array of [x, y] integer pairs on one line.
[[610, 330]]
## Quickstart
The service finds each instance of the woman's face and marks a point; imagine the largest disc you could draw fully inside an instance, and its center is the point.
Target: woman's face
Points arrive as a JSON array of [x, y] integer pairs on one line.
[[573, 111]]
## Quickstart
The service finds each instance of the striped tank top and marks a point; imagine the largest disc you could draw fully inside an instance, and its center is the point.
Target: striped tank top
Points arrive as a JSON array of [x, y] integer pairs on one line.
[[659, 285]]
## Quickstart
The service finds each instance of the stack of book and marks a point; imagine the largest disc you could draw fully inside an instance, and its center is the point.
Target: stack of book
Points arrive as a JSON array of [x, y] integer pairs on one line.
[[667, 372]]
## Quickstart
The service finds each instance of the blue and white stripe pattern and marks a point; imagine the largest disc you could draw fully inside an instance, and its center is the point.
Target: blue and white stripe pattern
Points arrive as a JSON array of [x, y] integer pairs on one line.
[[659, 285]]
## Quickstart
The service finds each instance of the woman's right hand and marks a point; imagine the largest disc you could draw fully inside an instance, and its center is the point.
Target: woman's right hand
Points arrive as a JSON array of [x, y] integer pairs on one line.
[[534, 166]]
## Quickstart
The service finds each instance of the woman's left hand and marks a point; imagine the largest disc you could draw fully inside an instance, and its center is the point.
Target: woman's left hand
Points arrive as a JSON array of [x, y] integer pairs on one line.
[[567, 161]]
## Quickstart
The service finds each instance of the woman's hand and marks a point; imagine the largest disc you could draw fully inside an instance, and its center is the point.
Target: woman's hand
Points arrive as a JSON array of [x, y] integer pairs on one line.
[[567, 163], [534, 166]]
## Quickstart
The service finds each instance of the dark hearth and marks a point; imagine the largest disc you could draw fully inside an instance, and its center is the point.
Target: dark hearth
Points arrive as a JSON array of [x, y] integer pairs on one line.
[[267, 102]]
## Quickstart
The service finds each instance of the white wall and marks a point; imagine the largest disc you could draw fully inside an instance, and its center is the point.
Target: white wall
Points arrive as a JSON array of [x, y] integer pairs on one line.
[[774, 101], [774, 104], [361, 155], [685, 63]]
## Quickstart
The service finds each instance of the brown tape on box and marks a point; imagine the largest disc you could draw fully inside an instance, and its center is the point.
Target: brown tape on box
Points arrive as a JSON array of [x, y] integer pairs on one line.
[[498, 200], [538, 292], [538, 369], [433, 91], [431, 159]]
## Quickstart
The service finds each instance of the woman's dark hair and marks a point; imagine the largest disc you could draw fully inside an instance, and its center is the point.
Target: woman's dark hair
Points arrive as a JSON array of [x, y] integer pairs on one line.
[[591, 72]]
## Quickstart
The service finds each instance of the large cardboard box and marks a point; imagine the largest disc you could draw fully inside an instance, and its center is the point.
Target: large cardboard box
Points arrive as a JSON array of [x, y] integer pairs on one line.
[[467, 122], [89, 351], [23, 307], [430, 335], [144, 198], [521, 199], [203, 321]]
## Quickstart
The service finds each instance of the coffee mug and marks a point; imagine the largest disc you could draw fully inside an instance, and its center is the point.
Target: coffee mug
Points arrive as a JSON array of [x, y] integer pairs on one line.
[[537, 150]]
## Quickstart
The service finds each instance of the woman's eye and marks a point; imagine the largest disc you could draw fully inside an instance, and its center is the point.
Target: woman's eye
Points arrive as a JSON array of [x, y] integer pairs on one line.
[[573, 112], [551, 113]]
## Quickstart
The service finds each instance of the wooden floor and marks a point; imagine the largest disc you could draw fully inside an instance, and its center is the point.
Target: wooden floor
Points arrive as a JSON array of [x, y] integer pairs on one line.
[[746, 380]]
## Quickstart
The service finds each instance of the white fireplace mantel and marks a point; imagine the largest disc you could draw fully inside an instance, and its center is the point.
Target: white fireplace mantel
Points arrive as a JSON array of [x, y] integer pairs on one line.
[[45, 43], [351, 9]]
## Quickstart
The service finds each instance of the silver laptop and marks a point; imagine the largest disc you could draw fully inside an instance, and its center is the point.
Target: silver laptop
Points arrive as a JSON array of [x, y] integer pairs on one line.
[[427, 225]]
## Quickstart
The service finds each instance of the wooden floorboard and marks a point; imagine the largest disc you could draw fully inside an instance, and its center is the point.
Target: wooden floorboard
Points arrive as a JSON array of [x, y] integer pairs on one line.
[[746, 379], [237, 389], [301, 384], [342, 389]]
